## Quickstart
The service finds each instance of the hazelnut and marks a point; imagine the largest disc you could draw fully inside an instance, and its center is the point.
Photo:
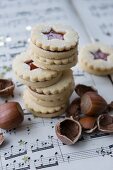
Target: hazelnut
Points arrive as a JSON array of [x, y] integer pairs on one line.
[[68, 131], [1, 138], [6, 87], [88, 124], [92, 104], [81, 89], [74, 109], [11, 115], [105, 123], [110, 106]]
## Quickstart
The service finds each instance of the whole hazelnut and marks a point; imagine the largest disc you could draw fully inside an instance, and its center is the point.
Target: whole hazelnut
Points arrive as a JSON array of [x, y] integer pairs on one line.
[[68, 131], [88, 124], [92, 104], [74, 109], [110, 106], [11, 115]]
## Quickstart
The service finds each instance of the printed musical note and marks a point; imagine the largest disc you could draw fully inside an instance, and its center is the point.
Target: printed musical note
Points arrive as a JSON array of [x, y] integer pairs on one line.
[[13, 152], [99, 13]]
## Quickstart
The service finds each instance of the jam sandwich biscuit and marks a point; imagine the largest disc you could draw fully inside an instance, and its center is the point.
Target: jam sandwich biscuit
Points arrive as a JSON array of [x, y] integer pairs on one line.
[[32, 75], [96, 59], [55, 37]]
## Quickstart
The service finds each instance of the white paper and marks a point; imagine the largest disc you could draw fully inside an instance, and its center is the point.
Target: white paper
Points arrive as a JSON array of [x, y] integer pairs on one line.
[[34, 144], [97, 18]]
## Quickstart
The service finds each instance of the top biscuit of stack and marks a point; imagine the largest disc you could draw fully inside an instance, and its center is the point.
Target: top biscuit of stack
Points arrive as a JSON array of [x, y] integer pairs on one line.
[[54, 47]]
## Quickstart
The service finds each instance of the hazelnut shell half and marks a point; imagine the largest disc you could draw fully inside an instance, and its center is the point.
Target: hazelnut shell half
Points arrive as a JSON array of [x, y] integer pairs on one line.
[[81, 89], [68, 131], [105, 123], [6, 87]]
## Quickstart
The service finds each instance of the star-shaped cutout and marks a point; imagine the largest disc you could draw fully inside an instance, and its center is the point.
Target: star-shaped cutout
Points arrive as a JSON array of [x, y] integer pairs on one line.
[[30, 63], [100, 55], [54, 35]]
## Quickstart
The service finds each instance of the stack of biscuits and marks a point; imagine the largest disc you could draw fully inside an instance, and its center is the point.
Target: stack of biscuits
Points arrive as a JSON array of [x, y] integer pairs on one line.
[[45, 69]]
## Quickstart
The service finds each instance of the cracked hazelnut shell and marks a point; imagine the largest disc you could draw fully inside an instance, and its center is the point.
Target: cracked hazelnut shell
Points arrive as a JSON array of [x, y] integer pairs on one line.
[[81, 89], [105, 123], [11, 115], [6, 87], [68, 131], [92, 104]]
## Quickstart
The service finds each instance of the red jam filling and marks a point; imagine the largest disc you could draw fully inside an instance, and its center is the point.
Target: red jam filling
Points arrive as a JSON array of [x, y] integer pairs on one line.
[[30, 63], [100, 55], [54, 35]]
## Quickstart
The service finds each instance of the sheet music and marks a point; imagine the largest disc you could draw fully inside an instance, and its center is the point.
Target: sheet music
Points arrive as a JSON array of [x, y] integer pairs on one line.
[[34, 144], [97, 18]]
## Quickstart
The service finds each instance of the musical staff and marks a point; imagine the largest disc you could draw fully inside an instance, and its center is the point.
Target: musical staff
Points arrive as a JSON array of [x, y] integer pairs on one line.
[[56, 159], [15, 152], [99, 13], [34, 145], [37, 146]]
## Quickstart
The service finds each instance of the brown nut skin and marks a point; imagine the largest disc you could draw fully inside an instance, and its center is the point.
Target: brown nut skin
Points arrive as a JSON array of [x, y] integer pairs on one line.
[[110, 106], [81, 89], [11, 115], [105, 123], [1, 138], [6, 87], [74, 109], [88, 124], [92, 104], [68, 131]]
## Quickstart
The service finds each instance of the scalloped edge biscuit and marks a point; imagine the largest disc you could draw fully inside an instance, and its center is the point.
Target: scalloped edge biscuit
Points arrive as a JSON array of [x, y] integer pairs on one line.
[[39, 84], [97, 67], [56, 62], [56, 67], [22, 70], [53, 97], [48, 103], [64, 83], [42, 111], [36, 51], [49, 115], [39, 39]]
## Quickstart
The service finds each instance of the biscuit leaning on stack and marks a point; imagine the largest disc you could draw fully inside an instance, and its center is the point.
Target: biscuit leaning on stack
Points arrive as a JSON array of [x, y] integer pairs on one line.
[[45, 69]]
